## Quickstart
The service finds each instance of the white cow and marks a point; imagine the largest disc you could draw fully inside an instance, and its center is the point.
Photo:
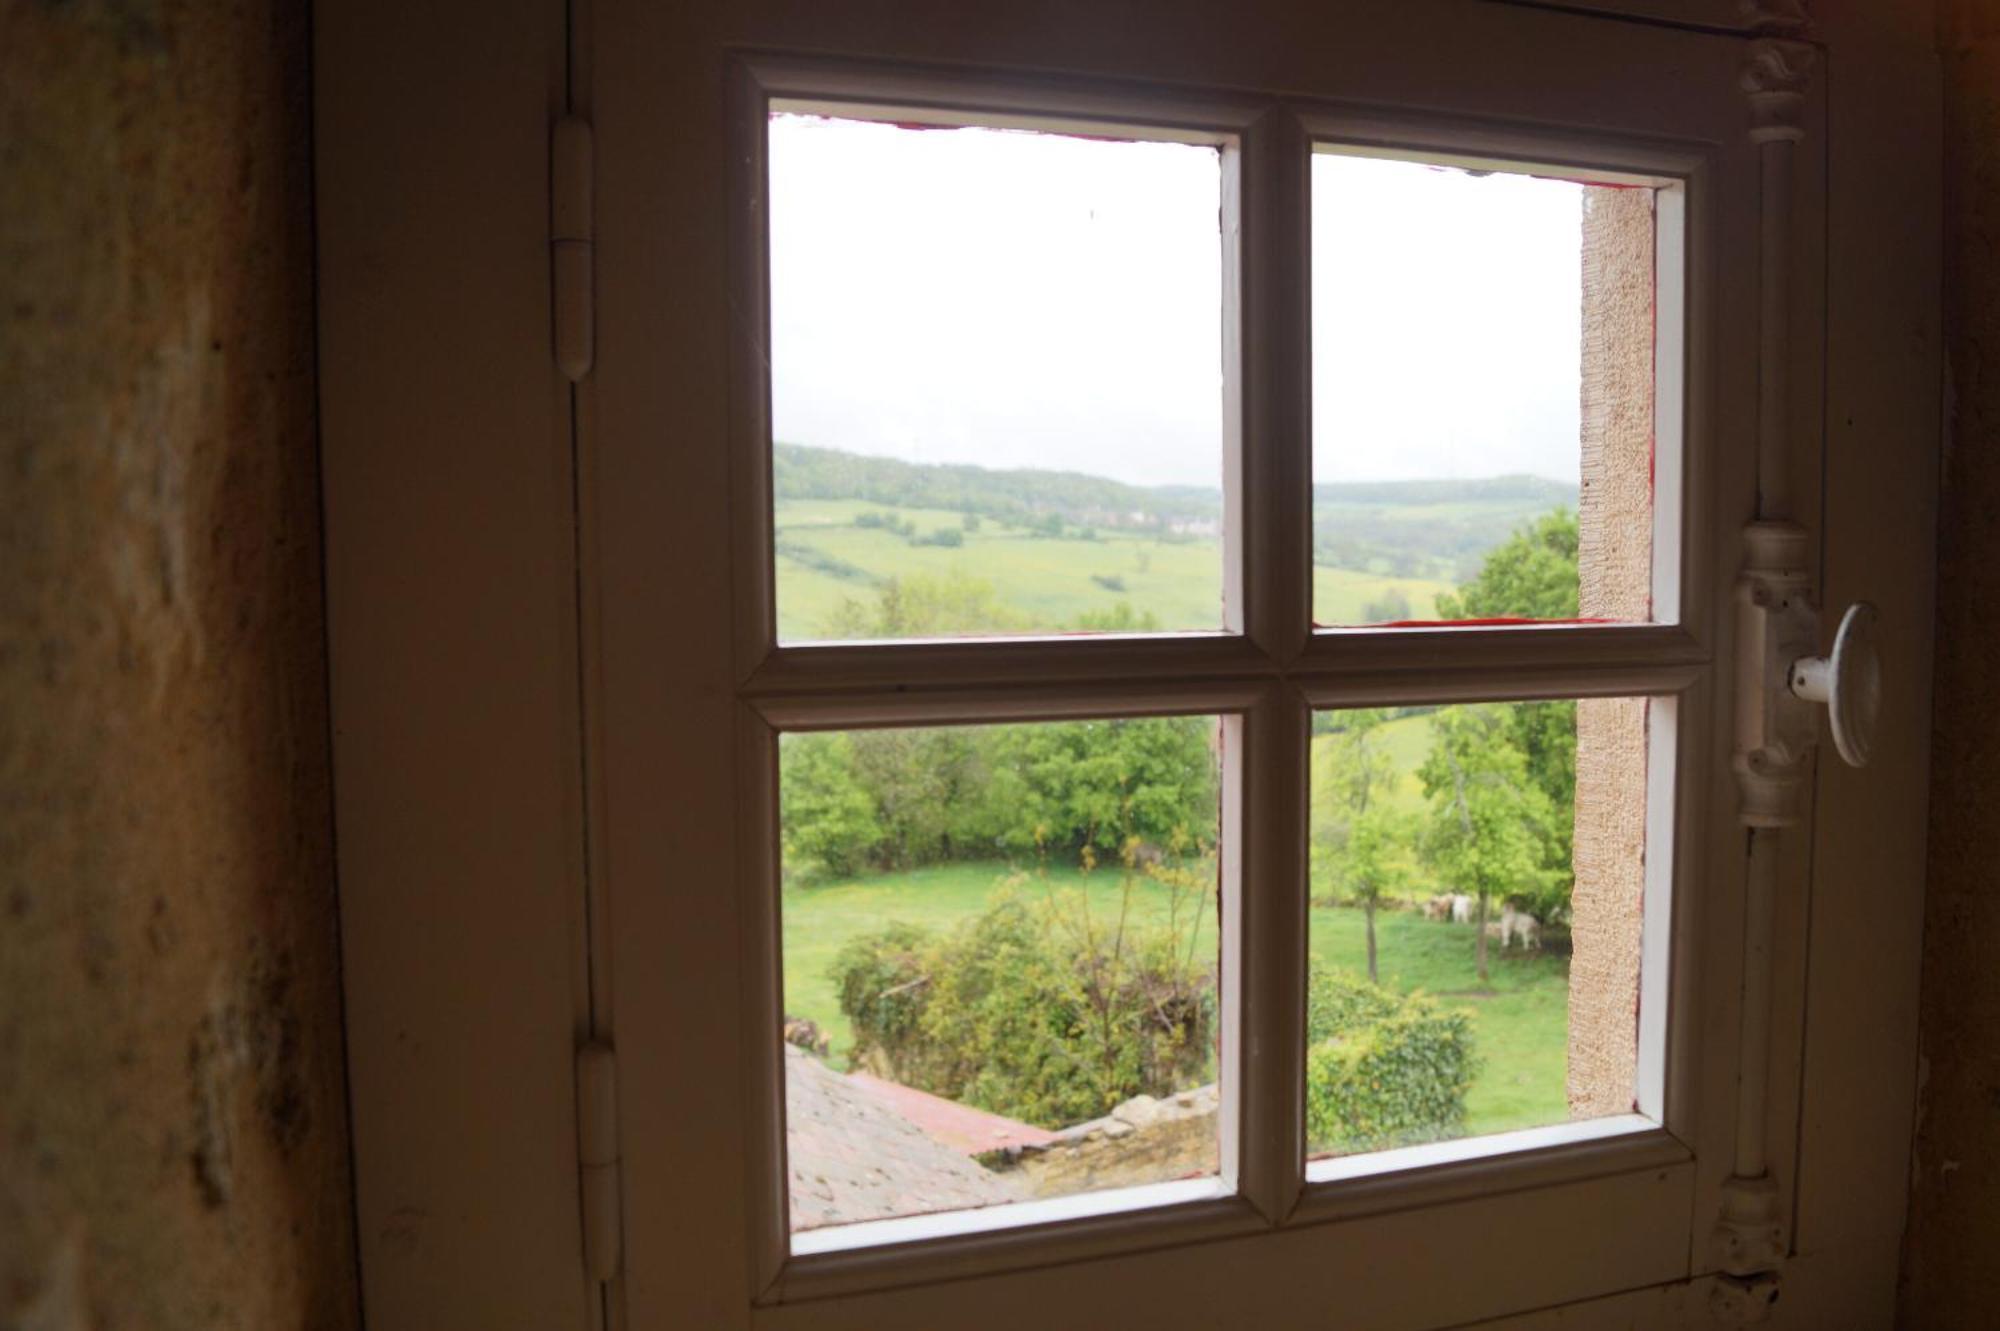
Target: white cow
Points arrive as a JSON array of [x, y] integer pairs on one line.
[[1461, 908], [1519, 924]]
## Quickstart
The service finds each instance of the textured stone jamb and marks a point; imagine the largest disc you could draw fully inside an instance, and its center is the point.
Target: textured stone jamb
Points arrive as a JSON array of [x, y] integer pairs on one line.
[[1615, 559]]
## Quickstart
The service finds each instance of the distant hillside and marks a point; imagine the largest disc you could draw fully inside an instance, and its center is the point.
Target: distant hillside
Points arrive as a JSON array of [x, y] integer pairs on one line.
[[1431, 529], [1419, 528], [1023, 497]]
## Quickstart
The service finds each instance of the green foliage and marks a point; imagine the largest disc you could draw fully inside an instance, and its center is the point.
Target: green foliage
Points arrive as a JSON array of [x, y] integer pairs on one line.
[[880, 980], [1392, 606], [1534, 576], [818, 560], [1361, 845], [1014, 496], [1120, 618], [898, 798], [1490, 824], [1382, 1070], [922, 606], [828, 818], [1043, 1011], [1338, 1003]]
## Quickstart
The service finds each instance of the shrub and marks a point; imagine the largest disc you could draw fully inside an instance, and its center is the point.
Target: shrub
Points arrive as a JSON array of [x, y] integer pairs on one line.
[[1029, 1012], [881, 978], [1338, 1002], [1382, 1069]]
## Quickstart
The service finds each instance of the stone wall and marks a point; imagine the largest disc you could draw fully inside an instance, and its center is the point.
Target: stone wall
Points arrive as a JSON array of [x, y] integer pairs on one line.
[[1144, 1140], [1614, 558], [172, 1122]]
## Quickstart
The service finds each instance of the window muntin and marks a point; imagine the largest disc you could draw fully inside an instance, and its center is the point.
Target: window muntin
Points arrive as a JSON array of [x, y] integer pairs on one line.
[[996, 380], [1484, 365]]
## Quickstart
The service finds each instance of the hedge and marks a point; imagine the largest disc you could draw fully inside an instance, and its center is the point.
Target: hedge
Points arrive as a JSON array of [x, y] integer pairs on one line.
[[1382, 1069], [1008, 1013]]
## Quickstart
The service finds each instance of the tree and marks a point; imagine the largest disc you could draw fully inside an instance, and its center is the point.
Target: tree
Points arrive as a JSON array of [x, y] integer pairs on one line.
[[1358, 844], [1490, 823], [1390, 607], [1373, 866], [828, 817], [925, 607], [1533, 575]]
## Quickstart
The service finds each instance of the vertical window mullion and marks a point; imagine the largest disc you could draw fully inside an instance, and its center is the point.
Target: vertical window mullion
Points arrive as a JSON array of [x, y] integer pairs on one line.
[[1264, 971], [1267, 352], [1268, 373]]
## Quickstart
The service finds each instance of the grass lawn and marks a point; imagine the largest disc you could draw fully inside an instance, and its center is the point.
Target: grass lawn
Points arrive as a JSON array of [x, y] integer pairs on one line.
[[1520, 1025]]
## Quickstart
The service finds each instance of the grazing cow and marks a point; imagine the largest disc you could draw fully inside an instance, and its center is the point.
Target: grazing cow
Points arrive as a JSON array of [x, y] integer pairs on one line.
[[1461, 908], [1437, 908], [1519, 924]]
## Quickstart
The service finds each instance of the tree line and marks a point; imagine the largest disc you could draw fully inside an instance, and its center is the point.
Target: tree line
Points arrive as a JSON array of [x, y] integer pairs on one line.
[[854, 801]]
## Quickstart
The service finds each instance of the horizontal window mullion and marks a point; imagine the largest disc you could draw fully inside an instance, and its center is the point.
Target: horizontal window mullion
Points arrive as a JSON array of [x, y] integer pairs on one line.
[[1375, 667], [1032, 662], [1027, 701], [1361, 666]]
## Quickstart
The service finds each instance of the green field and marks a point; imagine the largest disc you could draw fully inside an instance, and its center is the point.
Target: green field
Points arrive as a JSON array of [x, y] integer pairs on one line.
[[1520, 1024], [825, 558]]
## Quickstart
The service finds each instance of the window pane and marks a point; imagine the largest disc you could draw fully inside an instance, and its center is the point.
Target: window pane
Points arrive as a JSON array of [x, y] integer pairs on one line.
[[1483, 405], [1479, 893], [1000, 951], [996, 383]]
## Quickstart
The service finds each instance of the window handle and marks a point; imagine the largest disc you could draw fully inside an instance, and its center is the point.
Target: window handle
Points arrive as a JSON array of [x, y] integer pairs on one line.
[[1849, 681]]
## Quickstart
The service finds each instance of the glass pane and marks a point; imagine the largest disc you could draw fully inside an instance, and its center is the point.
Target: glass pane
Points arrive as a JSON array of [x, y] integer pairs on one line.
[[996, 384], [1483, 408], [1479, 891], [1000, 950]]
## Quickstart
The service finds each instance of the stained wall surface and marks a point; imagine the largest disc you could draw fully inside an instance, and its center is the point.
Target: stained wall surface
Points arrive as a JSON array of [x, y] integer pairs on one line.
[[172, 1120], [1950, 1276]]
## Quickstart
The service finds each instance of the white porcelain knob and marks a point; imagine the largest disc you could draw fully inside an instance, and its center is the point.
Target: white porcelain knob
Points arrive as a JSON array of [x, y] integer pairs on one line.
[[1849, 681]]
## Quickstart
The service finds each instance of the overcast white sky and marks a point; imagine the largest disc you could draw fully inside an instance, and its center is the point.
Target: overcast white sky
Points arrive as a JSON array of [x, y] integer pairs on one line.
[[1028, 300]]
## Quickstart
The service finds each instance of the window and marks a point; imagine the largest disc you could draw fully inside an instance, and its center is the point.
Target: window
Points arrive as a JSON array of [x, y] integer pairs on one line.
[[568, 681], [1021, 946]]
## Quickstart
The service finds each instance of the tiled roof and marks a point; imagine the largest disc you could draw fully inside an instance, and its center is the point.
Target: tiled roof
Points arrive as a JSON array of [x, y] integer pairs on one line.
[[854, 1157], [961, 1127]]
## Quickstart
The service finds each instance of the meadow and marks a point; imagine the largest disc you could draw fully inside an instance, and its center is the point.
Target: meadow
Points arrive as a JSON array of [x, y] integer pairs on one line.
[[825, 558], [1520, 1022]]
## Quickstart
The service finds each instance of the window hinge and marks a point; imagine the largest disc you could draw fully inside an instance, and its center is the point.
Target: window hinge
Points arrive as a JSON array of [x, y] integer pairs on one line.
[[572, 233], [597, 1158]]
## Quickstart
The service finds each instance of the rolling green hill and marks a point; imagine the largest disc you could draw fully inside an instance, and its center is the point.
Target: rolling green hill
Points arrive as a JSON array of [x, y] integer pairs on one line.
[[1058, 549]]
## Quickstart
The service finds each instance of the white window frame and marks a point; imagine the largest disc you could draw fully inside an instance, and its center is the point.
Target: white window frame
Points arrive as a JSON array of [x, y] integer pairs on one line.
[[499, 557], [1261, 672]]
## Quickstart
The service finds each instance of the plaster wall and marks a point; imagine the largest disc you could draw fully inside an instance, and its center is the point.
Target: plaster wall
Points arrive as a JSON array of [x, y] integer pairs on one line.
[[172, 1116], [1950, 1277]]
